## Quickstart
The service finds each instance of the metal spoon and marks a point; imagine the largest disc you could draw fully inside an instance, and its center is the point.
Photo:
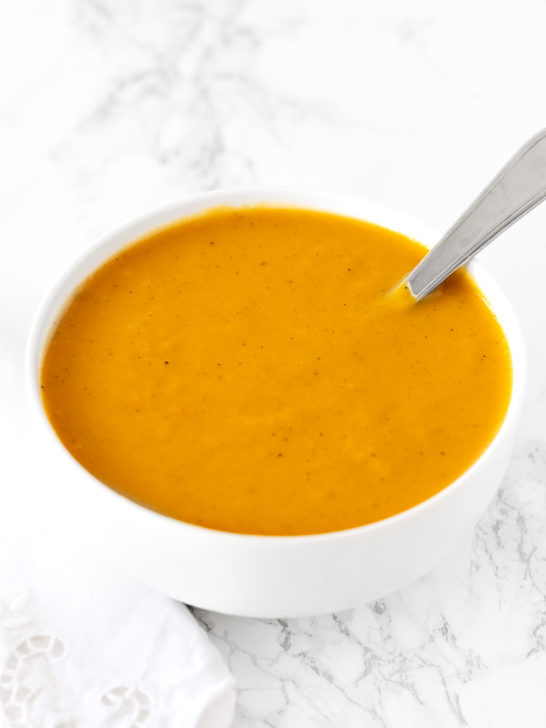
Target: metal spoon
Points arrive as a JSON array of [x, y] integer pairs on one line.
[[517, 188]]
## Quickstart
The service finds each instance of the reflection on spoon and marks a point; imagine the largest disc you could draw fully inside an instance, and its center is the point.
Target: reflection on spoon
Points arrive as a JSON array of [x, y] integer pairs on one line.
[[518, 187]]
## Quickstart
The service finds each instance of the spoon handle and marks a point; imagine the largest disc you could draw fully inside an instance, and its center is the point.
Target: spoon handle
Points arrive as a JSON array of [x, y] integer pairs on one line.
[[518, 187]]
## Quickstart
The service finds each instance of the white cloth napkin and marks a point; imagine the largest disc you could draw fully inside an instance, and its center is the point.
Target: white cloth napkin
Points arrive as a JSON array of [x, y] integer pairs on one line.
[[81, 644]]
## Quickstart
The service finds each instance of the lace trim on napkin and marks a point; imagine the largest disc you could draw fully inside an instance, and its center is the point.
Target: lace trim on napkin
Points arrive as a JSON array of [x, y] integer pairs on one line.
[[29, 695]]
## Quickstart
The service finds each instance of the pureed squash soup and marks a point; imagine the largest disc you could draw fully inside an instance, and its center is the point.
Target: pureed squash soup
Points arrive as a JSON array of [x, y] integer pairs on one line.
[[249, 370]]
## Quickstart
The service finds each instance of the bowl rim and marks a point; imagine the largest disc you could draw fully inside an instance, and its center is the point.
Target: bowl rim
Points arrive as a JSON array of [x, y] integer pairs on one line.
[[275, 196]]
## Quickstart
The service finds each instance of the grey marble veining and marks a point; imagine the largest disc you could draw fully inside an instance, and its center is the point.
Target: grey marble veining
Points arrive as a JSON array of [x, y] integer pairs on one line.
[[109, 108], [441, 652]]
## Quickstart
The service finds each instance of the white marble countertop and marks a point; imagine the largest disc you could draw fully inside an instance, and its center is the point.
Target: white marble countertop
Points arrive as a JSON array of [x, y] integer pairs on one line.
[[110, 108]]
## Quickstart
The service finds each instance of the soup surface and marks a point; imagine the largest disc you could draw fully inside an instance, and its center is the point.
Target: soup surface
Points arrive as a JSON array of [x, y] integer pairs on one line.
[[247, 370]]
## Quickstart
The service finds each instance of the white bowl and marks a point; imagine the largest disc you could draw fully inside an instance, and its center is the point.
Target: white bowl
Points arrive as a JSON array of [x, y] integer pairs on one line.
[[282, 576]]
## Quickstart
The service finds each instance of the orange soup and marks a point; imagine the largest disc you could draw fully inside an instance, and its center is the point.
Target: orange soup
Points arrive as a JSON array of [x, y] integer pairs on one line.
[[248, 370]]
